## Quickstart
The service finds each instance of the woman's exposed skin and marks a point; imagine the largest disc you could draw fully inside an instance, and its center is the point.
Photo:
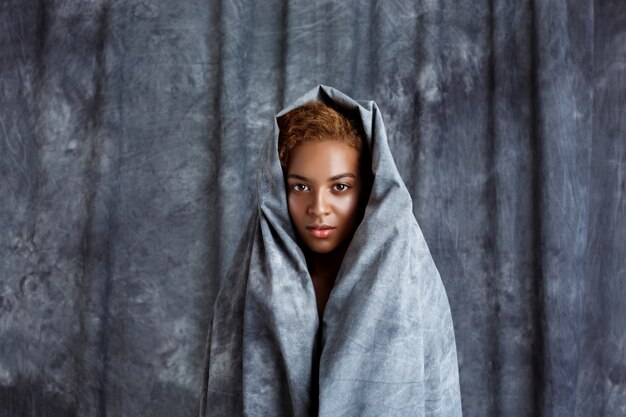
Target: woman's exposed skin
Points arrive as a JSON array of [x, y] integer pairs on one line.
[[324, 186]]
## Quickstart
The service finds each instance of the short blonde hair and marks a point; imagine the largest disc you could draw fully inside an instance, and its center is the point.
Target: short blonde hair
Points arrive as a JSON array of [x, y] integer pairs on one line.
[[315, 121]]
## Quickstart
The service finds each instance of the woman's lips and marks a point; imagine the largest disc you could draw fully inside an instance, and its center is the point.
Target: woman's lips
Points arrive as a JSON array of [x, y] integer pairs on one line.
[[321, 232]]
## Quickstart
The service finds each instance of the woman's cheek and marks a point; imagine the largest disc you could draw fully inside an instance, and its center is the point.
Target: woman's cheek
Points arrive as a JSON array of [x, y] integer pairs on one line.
[[297, 207], [347, 205]]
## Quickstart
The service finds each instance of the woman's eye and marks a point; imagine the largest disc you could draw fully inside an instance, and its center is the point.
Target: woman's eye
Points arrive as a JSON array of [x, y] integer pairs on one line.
[[341, 187], [299, 187]]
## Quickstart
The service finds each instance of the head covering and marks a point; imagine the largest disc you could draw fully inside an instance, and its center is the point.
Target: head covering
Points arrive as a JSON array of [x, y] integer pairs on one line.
[[387, 342]]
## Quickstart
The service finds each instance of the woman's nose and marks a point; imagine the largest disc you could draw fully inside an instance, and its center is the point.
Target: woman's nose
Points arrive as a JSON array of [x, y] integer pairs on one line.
[[319, 204]]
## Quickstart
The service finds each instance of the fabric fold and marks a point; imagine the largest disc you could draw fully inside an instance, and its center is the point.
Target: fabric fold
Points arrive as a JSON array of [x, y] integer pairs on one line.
[[385, 344]]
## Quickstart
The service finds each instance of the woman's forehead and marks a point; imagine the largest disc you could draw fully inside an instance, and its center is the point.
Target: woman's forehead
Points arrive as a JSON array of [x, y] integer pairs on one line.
[[323, 160]]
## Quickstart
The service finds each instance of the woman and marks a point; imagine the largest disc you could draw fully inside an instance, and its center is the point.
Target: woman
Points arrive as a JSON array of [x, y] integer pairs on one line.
[[381, 343], [327, 179]]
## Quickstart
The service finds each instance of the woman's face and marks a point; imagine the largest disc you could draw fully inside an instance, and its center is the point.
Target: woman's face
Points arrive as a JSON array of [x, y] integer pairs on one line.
[[323, 190]]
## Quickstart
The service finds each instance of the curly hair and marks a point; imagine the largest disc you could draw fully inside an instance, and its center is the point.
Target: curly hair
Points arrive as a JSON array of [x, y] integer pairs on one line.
[[315, 121]]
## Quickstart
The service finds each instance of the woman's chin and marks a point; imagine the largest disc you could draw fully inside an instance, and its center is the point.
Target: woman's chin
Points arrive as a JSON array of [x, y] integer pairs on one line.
[[328, 247], [321, 248]]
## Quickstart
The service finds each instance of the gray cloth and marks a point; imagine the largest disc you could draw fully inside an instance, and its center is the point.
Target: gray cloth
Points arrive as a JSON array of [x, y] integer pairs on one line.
[[386, 342]]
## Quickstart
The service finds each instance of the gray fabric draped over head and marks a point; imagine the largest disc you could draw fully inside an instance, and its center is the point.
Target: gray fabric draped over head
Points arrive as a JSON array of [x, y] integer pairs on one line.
[[387, 342]]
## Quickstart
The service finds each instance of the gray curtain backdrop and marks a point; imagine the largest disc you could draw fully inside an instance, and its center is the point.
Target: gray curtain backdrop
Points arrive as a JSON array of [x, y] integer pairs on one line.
[[129, 132]]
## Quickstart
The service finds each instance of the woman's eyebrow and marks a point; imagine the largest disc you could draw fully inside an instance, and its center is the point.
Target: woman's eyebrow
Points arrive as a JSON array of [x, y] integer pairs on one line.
[[345, 174], [298, 177], [336, 177]]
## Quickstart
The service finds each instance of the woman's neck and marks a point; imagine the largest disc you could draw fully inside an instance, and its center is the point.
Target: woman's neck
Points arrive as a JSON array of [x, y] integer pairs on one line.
[[325, 264], [323, 268]]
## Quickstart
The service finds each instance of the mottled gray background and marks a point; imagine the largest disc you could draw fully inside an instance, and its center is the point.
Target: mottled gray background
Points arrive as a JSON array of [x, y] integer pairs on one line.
[[129, 136]]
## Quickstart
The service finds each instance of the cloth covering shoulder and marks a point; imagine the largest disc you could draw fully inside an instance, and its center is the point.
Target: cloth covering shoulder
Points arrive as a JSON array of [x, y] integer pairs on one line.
[[385, 345]]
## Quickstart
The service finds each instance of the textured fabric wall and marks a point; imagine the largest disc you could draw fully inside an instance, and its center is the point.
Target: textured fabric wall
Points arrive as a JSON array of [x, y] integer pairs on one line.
[[130, 132]]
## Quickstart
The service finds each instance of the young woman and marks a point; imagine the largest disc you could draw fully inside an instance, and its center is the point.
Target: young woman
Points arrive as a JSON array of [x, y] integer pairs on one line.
[[333, 305], [327, 179]]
